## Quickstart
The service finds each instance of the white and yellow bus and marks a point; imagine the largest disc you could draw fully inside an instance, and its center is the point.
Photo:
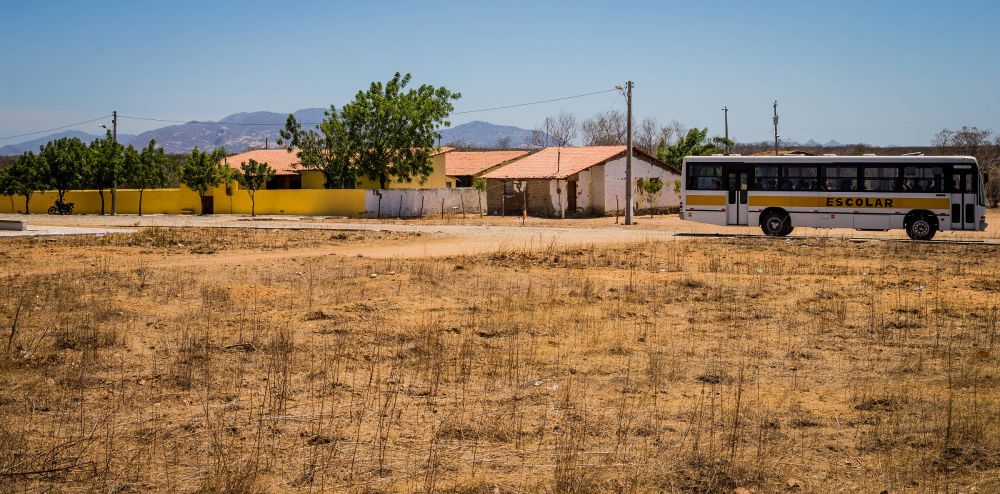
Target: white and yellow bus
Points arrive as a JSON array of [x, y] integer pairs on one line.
[[921, 194]]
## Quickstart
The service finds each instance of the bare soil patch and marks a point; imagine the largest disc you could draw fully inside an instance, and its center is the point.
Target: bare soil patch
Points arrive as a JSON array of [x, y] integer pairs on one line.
[[676, 366]]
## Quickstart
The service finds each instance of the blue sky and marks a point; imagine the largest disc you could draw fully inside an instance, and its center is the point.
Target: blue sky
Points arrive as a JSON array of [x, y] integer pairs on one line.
[[882, 72]]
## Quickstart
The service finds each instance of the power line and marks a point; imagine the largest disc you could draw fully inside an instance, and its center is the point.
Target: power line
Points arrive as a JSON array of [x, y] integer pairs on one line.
[[55, 128], [263, 124], [255, 124], [533, 102]]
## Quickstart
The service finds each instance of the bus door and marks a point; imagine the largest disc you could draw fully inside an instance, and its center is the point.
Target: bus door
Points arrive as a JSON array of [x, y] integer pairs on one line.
[[736, 204], [964, 182]]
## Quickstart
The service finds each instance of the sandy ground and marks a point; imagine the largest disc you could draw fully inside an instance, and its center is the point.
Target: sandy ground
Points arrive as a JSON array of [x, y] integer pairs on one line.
[[473, 235]]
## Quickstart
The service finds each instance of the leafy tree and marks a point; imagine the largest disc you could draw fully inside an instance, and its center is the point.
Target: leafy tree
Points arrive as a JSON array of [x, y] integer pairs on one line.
[[146, 169], [651, 188], [391, 131], [107, 165], [327, 150], [253, 176], [26, 174], [204, 171], [7, 186], [68, 161], [387, 132], [695, 143]]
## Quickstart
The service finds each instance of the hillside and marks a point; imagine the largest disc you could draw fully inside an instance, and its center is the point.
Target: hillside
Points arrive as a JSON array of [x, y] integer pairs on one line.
[[34, 144]]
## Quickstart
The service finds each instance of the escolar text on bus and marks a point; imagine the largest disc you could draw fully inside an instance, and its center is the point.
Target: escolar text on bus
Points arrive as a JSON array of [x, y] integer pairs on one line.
[[858, 202]]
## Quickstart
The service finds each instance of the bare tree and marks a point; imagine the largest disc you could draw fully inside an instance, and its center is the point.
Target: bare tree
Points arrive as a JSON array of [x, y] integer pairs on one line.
[[538, 138], [605, 129], [503, 142], [562, 128], [972, 141]]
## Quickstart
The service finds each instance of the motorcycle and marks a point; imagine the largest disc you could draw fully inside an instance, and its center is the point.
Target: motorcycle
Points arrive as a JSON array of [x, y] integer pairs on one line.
[[61, 208]]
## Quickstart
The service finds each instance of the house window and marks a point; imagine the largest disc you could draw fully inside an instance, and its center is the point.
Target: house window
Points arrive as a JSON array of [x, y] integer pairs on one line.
[[508, 188]]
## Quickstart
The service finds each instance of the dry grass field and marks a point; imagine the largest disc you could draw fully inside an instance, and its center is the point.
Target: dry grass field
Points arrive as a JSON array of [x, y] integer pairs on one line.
[[169, 360]]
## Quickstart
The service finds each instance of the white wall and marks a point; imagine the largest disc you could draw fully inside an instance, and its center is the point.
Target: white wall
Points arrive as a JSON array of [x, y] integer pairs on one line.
[[467, 198], [597, 199], [614, 184]]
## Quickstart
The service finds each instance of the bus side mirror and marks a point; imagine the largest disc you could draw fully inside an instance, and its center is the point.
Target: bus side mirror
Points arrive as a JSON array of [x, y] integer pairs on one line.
[[986, 178]]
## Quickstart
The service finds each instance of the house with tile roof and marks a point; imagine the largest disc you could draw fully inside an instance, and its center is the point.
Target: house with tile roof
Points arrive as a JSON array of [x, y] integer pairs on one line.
[[289, 174], [465, 166], [567, 181]]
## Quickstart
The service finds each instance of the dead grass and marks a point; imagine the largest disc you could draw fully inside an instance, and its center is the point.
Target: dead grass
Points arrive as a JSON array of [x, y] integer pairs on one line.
[[688, 366]]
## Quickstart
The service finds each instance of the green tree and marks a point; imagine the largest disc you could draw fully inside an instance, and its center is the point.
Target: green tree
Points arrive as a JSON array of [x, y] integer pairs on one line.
[[68, 164], [204, 171], [25, 175], [651, 188], [695, 143], [253, 176], [326, 150], [387, 132], [107, 165], [146, 169]]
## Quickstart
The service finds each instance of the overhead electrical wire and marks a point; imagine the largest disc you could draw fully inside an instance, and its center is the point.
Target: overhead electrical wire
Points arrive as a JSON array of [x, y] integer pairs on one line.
[[260, 124], [533, 102], [54, 128]]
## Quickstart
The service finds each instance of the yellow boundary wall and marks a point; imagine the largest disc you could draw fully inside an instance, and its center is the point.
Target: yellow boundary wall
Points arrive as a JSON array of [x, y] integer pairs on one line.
[[317, 202]]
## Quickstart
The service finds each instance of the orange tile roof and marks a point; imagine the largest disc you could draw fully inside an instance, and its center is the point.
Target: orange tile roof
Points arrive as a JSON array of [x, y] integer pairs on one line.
[[564, 162], [282, 161], [461, 163]]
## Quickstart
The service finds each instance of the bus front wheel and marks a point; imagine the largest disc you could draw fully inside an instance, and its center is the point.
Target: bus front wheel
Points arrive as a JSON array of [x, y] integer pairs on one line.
[[776, 224], [920, 227]]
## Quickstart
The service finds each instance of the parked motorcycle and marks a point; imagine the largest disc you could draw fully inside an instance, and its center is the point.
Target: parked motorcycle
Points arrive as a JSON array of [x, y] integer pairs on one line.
[[61, 208]]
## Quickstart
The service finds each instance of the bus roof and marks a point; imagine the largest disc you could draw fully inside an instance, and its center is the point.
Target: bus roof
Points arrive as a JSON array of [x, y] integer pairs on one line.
[[831, 159]]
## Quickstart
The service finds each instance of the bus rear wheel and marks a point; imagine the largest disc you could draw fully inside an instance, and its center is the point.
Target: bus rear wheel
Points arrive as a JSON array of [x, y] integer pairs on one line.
[[776, 224], [921, 228]]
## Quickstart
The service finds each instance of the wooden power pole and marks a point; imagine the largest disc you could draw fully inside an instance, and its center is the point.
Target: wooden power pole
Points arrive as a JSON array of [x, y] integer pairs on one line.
[[628, 156]]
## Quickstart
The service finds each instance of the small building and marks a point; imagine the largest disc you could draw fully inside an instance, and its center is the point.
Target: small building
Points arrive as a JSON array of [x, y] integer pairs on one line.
[[288, 171], [289, 174], [464, 166], [437, 179], [565, 181]]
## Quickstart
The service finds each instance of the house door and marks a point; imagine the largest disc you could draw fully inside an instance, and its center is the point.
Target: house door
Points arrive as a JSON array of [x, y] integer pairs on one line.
[[963, 199], [208, 205], [571, 197], [736, 204]]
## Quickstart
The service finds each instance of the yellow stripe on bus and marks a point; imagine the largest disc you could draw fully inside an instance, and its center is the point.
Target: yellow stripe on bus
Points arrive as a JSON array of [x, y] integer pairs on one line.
[[849, 202], [703, 200]]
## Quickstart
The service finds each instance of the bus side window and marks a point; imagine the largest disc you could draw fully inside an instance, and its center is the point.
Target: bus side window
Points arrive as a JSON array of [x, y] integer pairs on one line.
[[923, 179], [766, 178], [704, 176], [800, 178]]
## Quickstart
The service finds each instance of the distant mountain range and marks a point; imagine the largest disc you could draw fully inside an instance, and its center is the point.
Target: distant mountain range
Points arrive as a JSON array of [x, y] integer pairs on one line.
[[481, 134], [828, 144], [34, 144], [255, 130]]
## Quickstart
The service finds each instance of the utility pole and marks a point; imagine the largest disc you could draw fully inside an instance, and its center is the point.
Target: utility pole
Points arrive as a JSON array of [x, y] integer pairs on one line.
[[776, 127], [628, 155], [114, 182], [725, 111]]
